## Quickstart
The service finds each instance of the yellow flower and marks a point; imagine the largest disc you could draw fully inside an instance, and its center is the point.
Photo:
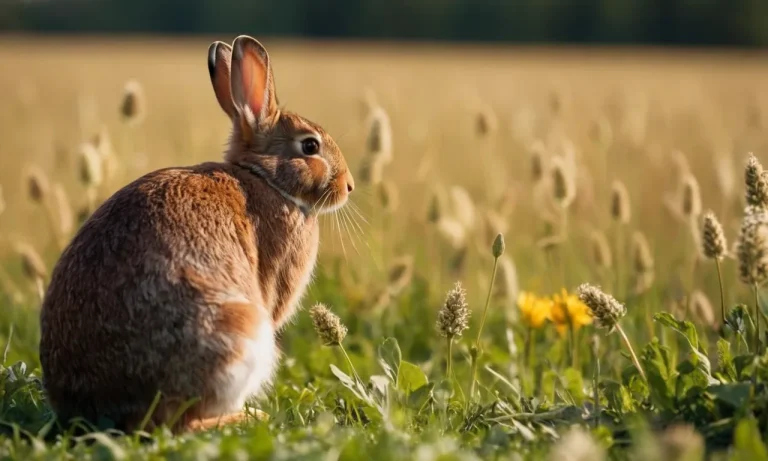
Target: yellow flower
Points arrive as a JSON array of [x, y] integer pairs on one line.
[[569, 310], [535, 310]]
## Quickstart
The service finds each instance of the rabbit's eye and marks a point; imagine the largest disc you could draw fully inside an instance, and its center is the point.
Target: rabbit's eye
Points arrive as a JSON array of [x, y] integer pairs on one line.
[[310, 146]]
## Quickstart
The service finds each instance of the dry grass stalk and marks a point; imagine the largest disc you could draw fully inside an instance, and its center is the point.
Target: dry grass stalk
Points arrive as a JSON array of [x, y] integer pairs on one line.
[[701, 309], [371, 171], [66, 218], [485, 122]]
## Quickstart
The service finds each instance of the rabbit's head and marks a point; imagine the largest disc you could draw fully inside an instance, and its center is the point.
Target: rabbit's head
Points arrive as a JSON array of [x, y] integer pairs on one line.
[[294, 155]]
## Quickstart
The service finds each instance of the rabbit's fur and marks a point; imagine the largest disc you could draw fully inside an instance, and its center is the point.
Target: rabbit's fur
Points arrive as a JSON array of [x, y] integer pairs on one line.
[[179, 281]]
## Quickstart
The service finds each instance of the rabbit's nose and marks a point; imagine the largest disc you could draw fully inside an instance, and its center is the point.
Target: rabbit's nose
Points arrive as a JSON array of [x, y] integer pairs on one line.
[[350, 182]]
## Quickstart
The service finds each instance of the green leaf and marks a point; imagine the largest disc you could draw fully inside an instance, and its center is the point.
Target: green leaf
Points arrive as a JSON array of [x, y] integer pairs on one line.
[[734, 394], [661, 376], [418, 398], [688, 330], [747, 442], [350, 383], [410, 377], [390, 358]]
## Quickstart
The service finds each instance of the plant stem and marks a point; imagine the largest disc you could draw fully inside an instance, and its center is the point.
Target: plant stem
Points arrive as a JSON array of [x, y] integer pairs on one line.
[[448, 367], [349, 362], [596, 386], [572, 339], [476, 354], [757, 319], [631, 351], [722, 293]]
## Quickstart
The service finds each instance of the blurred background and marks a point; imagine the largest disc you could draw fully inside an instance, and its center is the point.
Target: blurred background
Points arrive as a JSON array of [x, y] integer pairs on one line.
[[668, 22]]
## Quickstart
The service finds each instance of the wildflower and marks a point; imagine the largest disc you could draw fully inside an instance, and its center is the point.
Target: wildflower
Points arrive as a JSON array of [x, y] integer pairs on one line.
[[605, 309], [620, 207], [568, 311], [752, 249], [756, 182], [327, 325], [453, 317], [534, 310]]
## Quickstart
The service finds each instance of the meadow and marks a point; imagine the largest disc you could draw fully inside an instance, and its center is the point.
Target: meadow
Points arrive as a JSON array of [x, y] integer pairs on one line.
[[626, 169]]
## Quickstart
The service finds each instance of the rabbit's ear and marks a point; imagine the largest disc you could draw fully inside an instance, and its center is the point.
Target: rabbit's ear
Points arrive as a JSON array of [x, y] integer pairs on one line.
[[219, 58], [252, 85]]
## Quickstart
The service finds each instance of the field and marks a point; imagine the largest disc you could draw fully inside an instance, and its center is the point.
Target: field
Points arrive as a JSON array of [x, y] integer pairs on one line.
[[596, 166]]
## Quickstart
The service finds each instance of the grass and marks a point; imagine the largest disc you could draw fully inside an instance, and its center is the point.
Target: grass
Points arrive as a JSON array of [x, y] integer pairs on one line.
[[463, 117]]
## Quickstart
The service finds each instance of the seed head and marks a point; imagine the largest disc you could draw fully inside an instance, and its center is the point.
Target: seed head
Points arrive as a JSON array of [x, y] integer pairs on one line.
[[691, 205], [31, 263], [713, 237], [371, 171], [601, 250], [756, 182], [563, 185], [400, 275], [485, 122], [498, 246], [453, 317], [641, 253], [620, 208], [701, 308], [538, 161], [379, 142], [752, 249], [327, 325], [605, 309], [90, 165], [388, 197], [38, 186], [133, 106]]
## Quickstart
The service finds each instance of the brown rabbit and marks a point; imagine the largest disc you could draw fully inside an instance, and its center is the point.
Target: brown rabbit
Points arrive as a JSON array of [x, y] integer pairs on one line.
[[179, 281]]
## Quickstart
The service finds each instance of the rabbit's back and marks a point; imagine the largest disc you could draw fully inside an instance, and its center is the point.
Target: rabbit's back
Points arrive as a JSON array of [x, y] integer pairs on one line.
[[157, 287]]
